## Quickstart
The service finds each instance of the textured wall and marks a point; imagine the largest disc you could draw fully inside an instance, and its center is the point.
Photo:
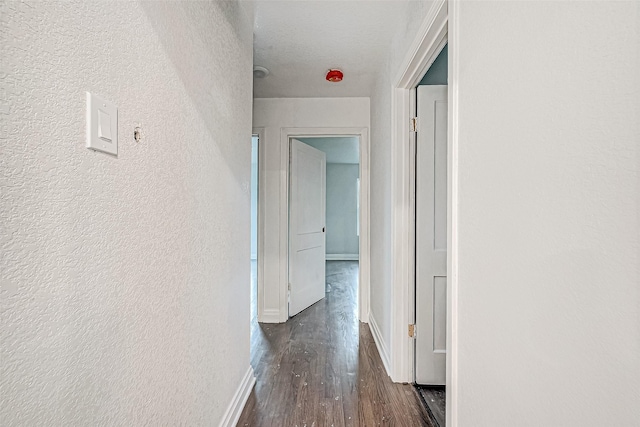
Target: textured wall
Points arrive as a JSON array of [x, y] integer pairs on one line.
[[125, 281], [549, 213], [342, 208]]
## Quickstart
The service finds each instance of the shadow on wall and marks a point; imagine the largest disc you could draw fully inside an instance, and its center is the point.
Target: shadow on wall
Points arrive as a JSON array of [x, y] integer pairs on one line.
[[181, 30]]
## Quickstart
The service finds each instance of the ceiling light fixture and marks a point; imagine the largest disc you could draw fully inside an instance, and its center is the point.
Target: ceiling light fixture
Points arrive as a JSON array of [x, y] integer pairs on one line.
[[260, 72], [334, 76]]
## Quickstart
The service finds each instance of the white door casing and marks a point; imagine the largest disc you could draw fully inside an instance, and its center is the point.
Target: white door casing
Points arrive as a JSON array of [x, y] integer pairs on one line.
[[431, 235], [306, 226]]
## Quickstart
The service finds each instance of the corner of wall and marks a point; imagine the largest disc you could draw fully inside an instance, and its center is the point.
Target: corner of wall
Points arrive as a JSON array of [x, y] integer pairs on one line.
[[380, 344], [234, 410]]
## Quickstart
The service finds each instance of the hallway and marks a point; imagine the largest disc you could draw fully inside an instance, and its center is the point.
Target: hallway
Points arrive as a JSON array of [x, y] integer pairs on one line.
[[322, 368]]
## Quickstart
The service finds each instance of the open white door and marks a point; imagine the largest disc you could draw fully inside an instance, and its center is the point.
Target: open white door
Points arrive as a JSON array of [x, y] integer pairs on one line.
[[431, 235], [306, 226]]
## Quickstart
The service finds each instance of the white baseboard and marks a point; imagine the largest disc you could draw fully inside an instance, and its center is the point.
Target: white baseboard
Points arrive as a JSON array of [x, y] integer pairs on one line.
[[380, 344], [269, 316], [234, 410], [342, 257]]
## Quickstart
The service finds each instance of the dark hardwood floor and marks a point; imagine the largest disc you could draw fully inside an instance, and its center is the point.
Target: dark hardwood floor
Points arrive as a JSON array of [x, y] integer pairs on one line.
[[322, 368], [434, 397]]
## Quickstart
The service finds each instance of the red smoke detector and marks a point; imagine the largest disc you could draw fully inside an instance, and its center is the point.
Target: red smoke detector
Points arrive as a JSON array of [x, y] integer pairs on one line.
[[334, 76]]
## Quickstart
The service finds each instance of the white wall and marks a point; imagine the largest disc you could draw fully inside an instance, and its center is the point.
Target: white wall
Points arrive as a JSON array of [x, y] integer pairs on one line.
[[125, 281], [342, 211], [254, 197], [274, 114], [549, 213], [381, 197]]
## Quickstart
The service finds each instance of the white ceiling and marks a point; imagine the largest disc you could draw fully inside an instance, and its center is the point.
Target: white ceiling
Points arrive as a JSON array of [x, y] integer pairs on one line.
[[337, 149], [300, 40]]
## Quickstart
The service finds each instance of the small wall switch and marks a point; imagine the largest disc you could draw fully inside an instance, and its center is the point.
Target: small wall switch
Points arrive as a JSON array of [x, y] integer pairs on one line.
[[102, 125]]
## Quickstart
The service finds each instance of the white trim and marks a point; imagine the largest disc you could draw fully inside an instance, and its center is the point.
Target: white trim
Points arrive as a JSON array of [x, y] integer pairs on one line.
[[234, 410], [425, 48], [262, 170], [402, 252], [453, 172], [342, 257], [431, 38], [270, 316], [380, 344], [283, 241], [364, 268]]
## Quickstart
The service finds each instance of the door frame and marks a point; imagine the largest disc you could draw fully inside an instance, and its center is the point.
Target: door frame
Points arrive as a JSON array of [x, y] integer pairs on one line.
[[364, 264], [439, 27], [259, 132]]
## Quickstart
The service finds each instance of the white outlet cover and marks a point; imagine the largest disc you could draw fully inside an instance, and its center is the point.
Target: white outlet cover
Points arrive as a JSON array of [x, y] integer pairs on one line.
[[102, 125]]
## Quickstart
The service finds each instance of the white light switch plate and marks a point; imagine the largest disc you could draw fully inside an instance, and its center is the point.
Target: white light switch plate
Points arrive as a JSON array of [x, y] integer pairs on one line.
[[102, 125]]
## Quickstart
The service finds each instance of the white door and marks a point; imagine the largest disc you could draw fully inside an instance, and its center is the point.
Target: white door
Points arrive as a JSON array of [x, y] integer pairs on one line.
[[431, 235], [306, 226]]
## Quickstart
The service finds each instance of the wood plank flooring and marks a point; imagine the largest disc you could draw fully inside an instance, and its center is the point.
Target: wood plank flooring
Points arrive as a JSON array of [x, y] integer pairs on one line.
[[322, 368]]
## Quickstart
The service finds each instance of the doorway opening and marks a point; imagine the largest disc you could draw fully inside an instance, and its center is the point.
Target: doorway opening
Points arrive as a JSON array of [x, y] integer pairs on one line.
[[342, 204], [362, 216], [430, 214], [334, 219]]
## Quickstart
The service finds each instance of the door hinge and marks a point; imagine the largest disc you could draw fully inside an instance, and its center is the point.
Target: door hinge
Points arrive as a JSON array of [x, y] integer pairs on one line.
[[289, 287], [414, 124], [412, 331]]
